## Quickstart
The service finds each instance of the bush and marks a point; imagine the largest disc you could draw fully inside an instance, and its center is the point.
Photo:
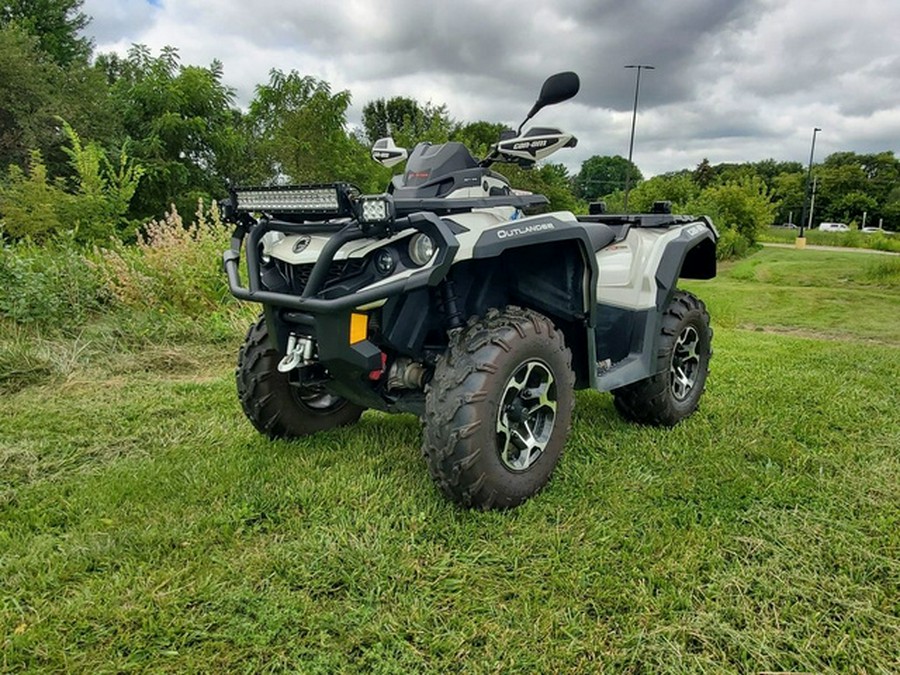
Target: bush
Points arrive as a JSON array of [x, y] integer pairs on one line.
[[731, 245], [52, 285], [744, 205], [172, 269], [92, 209]]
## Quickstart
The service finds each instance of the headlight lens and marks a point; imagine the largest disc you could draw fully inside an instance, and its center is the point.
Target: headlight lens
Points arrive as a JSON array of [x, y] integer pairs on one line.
[[384, 262], [421, 249]]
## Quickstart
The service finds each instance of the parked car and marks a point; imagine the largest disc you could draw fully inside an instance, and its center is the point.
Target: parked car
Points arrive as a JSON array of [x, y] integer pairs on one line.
[[874, 230], [834, 227]]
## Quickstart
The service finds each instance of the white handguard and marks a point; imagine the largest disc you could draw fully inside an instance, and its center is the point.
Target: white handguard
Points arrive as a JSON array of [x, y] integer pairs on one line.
[[537, 143], [385, 152]]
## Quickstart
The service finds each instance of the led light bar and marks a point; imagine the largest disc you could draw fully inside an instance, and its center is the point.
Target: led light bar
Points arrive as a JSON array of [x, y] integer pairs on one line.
[[324, 199]]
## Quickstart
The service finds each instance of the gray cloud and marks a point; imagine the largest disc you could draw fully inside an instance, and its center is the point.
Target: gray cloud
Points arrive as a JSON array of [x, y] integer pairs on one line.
[[735, 80]]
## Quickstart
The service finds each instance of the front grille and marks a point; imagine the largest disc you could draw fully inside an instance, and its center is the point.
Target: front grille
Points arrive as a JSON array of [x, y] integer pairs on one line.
[[295, 277]]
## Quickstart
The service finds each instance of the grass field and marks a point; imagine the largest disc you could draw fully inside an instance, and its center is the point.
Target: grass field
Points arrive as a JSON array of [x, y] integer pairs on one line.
[[852, 239], [145, 526]]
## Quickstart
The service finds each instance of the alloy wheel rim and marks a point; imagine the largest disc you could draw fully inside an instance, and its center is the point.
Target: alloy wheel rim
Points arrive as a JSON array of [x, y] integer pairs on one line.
[[685, 366], [527, 415]]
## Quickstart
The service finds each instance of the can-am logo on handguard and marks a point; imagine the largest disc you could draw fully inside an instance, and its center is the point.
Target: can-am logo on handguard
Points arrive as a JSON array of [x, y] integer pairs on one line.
[[516, 231]]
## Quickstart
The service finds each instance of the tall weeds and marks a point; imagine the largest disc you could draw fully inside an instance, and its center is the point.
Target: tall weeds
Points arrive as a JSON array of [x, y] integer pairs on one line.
[[174, 268]]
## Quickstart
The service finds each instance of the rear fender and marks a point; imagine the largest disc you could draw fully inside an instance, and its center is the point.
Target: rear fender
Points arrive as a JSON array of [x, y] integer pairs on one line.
[[692, 255]]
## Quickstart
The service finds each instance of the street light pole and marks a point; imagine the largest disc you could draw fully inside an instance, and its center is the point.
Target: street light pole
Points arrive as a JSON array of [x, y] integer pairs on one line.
[[637, 88], [812, 151]]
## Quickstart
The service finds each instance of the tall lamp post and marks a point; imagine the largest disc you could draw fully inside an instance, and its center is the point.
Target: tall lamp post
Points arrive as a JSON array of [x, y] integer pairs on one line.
[[812, 151], [637, 88]]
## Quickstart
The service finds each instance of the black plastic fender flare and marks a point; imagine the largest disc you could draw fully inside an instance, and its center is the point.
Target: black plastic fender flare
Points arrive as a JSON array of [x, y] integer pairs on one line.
[[539, 230], [699, 242]]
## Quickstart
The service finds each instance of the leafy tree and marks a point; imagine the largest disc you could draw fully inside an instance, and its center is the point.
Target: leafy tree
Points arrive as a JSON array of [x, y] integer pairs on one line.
[[744, 205], [731, 172], [181, 127], [678, 188], [384, 117], [35, 91], [298, 130], [27, 82], [850, 184], [789, 191], [770, 169], [406, 121], [54, 23], [852, 205], [551, 180], [704, 175], [478, 136], [602, 175]]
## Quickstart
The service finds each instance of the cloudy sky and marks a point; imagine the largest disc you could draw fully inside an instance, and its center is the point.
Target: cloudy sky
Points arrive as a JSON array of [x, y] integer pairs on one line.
[[735, 80]]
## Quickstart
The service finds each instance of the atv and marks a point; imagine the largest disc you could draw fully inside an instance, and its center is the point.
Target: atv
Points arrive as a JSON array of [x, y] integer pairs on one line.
[[453, 297]]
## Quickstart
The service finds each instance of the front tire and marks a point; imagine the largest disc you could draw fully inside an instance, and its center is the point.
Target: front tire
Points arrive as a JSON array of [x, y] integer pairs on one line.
[[685, 347], [499, 409], [275, 406]]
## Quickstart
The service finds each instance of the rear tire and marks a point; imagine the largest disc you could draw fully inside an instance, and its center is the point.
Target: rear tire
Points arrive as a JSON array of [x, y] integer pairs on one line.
[[276, 407], [685, 347], [499, 409]]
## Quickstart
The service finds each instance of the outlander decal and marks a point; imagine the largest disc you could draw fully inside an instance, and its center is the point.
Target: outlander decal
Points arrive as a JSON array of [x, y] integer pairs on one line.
[[528, 229]]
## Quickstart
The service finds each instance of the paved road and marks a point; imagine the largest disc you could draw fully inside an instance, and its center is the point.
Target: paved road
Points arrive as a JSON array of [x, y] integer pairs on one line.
[[840, 249]]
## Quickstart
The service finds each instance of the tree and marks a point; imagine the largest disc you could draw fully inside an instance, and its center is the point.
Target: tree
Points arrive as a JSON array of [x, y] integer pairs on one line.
[[789, 190], [678, 188], [406, 121], [298, 131], [551, 180], [602, 175], [180, 125], [27, 83], [54, 23], [478, 136], [852, 206], [35, 91], [704, 175], [744, 205]]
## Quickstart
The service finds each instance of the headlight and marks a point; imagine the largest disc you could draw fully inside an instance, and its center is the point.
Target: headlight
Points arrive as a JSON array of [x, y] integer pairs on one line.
[[384, 262], [421, 249]]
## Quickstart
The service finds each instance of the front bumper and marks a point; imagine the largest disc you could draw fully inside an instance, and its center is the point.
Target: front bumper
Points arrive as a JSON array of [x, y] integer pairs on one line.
[[310, 300], [333, 321]]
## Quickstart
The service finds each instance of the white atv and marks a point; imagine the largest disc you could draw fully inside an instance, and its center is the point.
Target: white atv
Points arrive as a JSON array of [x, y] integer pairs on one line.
[[444, 298]]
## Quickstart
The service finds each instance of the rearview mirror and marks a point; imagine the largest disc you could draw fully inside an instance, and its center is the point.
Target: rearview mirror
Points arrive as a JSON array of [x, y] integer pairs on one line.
[[557, 88]]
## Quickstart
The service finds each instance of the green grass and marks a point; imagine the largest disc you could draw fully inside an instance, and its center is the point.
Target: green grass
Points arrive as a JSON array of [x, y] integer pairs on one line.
[[824, 294], [851, 239], [145, 526]]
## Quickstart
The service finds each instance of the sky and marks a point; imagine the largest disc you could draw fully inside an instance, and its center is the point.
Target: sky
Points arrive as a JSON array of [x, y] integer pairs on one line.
[[734, 80]]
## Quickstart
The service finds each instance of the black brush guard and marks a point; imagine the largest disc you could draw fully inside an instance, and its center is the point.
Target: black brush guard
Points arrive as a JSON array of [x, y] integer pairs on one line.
[[308, 301]]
